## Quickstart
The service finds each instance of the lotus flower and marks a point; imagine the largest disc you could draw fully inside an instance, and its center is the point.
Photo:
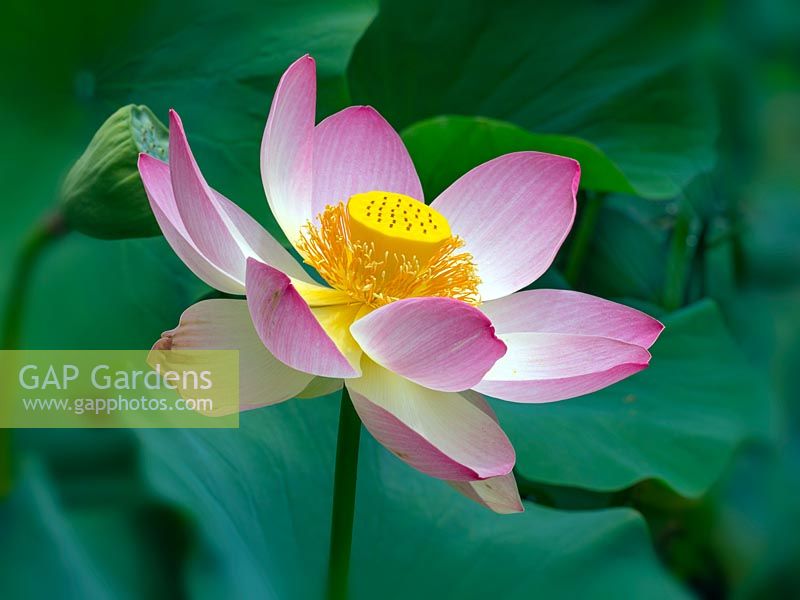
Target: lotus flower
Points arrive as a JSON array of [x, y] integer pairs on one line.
[[422, 312]]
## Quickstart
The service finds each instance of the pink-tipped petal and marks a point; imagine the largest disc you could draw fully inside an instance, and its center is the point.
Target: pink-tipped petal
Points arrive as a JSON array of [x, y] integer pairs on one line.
[[247, 237], [544, 367], [561, 355], [594, 342], [226, 325], [553, 390], [288, 328], [564, 311], [439, 433], [158, 185], [500, 493], [256, 242], [356, 150], [441, 343], [207, 224], [335, 320], [513, 213], [286, 148]]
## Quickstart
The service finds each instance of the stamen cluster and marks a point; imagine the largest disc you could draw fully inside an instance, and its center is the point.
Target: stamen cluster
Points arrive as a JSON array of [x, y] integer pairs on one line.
[[374, 278]]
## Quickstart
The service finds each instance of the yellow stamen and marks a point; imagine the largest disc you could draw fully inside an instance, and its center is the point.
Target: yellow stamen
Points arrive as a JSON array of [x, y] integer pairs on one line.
[[377, 262]]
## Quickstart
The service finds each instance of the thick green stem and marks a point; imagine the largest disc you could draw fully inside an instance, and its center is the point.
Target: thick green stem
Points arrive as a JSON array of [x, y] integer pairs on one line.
[[344, 498], [583, 235], [43, 233], [40, 237]]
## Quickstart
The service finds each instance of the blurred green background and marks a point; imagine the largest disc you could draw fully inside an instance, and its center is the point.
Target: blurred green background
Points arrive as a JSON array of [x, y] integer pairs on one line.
[[683, 481]]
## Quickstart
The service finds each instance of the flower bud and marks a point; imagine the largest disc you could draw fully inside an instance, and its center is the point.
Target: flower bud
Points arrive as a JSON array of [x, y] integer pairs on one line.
[[102, 195]]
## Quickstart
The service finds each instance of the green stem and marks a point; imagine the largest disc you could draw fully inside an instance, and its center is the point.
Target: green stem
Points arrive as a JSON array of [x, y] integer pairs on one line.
[[43, 233], [344, 498], [583, 235], [40, 237]]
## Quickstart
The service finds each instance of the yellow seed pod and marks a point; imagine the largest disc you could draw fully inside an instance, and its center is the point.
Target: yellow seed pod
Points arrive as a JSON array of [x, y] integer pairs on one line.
[[397, 223]]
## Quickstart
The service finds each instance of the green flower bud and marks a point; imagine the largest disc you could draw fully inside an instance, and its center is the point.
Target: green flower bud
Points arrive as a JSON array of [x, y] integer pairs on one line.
[[102, 195]]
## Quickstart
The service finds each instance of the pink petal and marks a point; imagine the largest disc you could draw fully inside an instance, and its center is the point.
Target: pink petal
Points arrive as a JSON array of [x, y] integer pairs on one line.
[[544, 367], [254, 241], [246, 236], [441, 343], [356, 151], [199, 210], [287, 326], [563, 311], [336, 320], [561, 355], [226, 325], [287, 146], [552, 390], [500, 493], [513, 213], [157, 184], [610, 339], [440, 433]]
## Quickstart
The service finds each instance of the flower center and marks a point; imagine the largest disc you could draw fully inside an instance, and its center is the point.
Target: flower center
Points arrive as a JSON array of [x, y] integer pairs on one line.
[[382, 247], [397, 224]]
